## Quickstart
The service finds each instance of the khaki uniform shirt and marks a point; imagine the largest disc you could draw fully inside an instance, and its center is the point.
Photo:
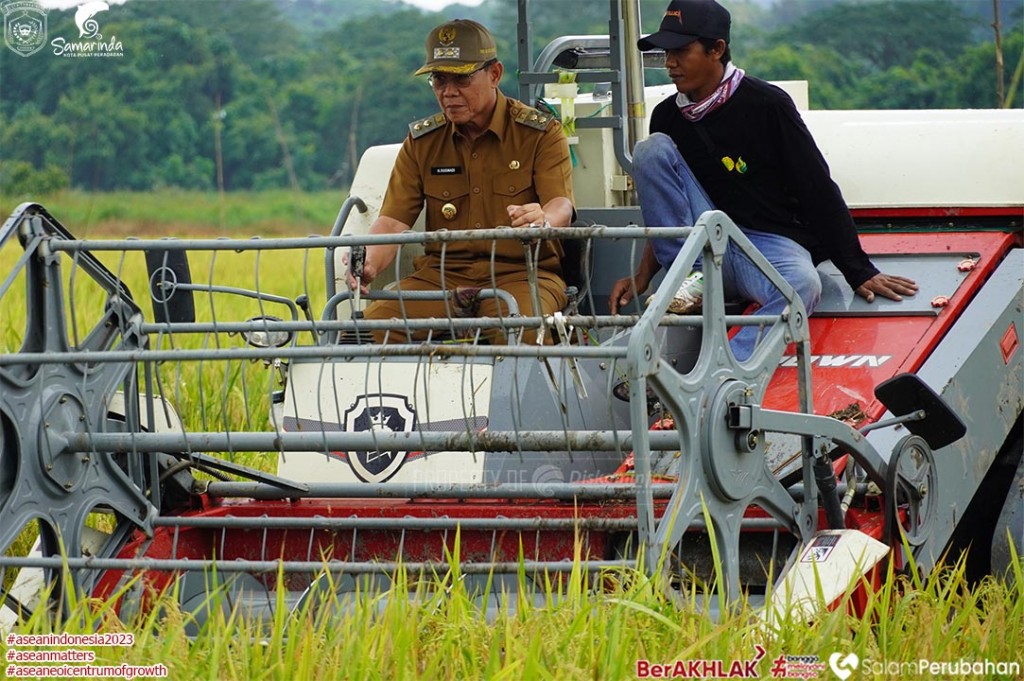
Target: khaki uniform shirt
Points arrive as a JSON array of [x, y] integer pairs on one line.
[[523, 157]]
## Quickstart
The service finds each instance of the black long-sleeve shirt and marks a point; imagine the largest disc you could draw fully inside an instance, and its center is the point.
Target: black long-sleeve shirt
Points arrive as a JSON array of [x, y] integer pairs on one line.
[[760, 165]]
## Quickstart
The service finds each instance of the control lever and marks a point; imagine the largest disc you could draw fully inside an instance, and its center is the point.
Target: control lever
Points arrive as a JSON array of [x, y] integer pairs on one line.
[[356, 262], [307, 310]]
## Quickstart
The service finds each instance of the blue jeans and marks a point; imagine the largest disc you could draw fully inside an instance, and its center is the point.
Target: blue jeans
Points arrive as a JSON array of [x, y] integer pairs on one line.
[[670, 196]]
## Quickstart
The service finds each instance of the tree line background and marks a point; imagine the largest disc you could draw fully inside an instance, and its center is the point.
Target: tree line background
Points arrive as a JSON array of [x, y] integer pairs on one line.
[[261, 94]]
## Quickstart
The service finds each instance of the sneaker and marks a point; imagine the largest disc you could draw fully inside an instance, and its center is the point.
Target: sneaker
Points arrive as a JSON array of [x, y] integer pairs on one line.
[[689, 297]]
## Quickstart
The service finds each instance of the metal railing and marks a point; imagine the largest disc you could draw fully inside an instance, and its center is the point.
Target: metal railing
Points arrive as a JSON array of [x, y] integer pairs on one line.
[[112, 423]]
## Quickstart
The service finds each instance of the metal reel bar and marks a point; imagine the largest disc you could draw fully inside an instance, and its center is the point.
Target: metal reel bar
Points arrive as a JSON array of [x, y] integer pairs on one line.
[[42, 478]]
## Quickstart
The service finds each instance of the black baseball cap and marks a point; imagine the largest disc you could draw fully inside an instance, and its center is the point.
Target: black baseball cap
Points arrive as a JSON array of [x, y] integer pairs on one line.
[[686, 21]]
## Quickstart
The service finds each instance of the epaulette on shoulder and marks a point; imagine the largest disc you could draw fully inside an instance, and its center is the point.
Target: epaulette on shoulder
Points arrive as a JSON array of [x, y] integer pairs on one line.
[[421, 127], [531, 117]]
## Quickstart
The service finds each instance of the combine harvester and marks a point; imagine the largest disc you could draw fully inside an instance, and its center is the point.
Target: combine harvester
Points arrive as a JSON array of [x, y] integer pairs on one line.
[[863, 433]]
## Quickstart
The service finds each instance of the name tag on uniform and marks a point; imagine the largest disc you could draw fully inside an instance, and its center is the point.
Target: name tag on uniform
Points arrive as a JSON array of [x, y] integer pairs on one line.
[[446, 170]]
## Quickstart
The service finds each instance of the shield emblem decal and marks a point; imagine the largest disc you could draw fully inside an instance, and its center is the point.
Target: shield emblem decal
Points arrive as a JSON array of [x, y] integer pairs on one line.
[[24, 27], [379, 413]]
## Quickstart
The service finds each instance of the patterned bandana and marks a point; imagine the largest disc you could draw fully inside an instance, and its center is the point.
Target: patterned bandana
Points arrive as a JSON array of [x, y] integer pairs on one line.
[[694, 111]]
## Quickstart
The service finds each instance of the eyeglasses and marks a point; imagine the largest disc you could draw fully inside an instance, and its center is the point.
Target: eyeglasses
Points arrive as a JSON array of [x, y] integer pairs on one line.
[[440, 81]]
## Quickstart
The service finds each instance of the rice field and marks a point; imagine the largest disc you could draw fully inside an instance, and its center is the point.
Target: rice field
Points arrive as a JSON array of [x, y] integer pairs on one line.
[[616, 625], [180, 212], [433, 630]]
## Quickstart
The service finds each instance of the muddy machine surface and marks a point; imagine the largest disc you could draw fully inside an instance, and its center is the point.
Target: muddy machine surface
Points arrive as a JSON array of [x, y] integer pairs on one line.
[[132, 414]]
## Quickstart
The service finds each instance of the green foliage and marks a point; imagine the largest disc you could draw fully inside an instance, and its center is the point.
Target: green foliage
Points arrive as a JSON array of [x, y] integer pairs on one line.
[[271, 94], [35, 139], [20, 179], [976, 71], [851, 71], [883, 35], [831, 80]]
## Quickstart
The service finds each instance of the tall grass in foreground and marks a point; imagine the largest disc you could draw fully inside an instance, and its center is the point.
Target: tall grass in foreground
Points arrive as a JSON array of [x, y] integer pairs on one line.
[[434, 629]]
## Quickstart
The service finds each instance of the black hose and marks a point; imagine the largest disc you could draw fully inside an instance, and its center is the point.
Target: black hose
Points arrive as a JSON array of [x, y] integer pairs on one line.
[[825, 477]]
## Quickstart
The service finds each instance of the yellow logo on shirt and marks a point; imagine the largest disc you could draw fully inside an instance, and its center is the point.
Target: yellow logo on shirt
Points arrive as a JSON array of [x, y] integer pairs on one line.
[[739, 165]]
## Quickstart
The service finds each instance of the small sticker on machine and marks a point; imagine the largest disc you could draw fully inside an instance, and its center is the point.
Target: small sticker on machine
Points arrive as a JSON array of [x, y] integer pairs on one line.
[[820, 548]]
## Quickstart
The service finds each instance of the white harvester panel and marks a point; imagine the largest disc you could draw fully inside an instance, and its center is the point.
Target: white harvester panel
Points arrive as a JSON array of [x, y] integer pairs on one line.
[[829, 565], [380, 396], [913, 159]]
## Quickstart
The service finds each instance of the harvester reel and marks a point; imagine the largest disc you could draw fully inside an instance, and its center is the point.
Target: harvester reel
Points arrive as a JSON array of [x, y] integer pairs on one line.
[[732, 460], [911, 481], [42, 479], [721, 465]]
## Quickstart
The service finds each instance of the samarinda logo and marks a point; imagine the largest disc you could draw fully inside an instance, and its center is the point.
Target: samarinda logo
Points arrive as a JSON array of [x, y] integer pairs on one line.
[[90, 41], [87, 26], [24, 26]]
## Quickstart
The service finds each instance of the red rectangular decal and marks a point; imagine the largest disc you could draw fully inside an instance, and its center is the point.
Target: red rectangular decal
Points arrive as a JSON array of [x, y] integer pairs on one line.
[[1008, 344]]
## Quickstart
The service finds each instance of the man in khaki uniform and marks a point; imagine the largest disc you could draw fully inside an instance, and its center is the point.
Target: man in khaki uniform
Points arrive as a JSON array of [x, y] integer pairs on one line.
[[484, 161]]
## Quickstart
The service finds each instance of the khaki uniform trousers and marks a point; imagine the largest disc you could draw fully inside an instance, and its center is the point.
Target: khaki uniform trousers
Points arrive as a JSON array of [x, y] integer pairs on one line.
[[508, 276]]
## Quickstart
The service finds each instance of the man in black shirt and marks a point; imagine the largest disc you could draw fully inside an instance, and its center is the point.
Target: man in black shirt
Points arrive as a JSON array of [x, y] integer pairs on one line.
[[736, 143]]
